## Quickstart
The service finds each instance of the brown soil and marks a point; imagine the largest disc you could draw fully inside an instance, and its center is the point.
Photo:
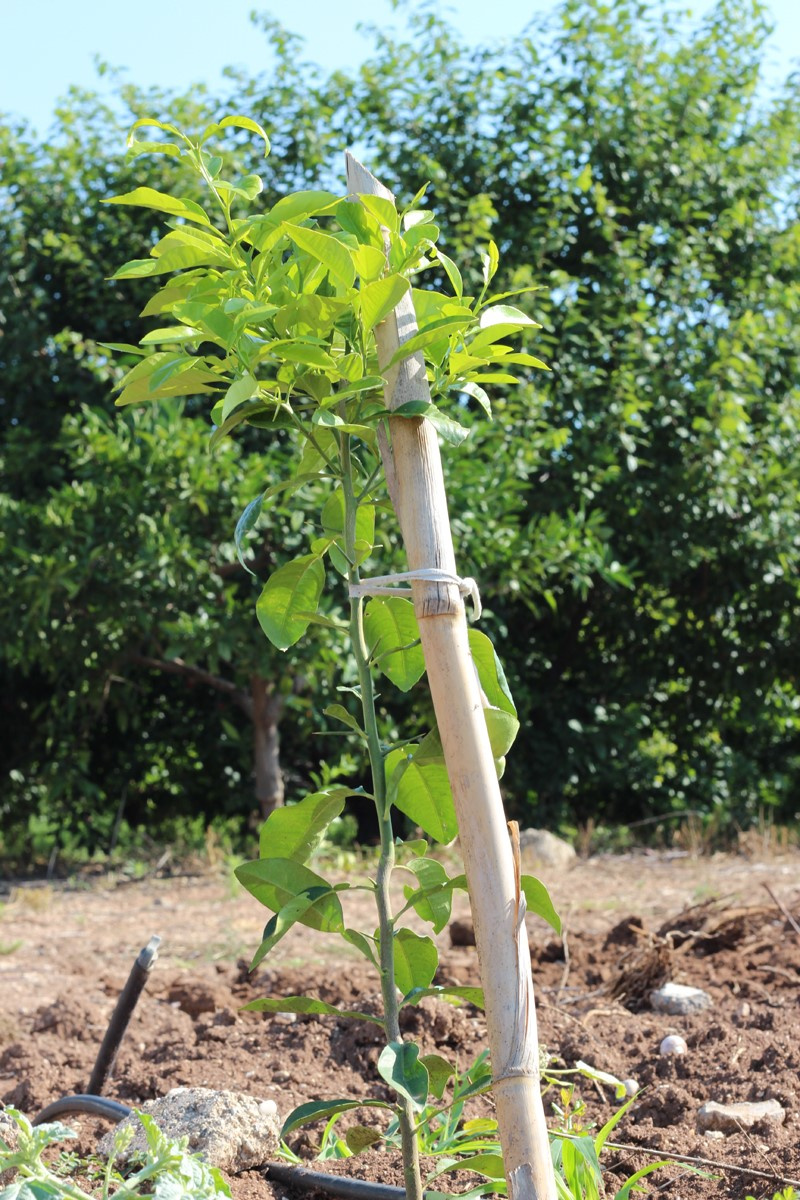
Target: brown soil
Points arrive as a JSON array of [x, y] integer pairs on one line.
[[630, 923]]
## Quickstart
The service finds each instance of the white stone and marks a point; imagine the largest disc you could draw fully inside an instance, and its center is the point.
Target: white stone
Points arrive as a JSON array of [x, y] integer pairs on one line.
[[539, 846], [678, 1000], [232, 1131], [631, 1086], [673, 1044], [732, 1118]]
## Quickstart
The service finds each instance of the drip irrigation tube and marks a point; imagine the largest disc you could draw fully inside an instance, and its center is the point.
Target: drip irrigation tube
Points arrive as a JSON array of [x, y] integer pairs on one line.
[[335, 1185], [93, 1106], [120, 1018]]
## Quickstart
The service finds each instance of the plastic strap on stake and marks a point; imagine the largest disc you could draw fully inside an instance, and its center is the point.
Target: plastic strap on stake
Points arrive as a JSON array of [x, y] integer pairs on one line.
[[391, 585]]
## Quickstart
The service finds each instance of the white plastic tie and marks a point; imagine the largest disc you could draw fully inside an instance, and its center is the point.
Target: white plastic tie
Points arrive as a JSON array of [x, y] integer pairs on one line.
[[392, 585]]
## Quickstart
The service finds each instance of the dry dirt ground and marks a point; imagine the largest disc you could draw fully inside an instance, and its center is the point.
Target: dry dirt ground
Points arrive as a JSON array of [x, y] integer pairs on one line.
[[725, 924]]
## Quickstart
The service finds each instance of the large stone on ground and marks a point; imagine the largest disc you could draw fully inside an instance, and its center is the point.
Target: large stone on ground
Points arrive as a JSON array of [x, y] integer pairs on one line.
[[539, 847], [679, 1000], [732, 1118], [231, 1130]]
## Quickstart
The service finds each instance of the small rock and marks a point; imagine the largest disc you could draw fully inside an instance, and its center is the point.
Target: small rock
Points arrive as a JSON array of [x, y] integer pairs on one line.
[[731, 1118], [679, 1000], [281, 1076], [539, 846], [673, 1044], [714, 1135], [743, 1011], [232, 1131], [631, 1086]]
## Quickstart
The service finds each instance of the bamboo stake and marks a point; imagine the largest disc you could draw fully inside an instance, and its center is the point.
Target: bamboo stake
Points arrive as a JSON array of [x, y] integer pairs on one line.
[[416, 485]]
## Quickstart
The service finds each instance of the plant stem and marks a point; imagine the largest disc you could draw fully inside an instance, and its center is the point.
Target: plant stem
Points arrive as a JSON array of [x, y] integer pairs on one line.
[[391, 1020]]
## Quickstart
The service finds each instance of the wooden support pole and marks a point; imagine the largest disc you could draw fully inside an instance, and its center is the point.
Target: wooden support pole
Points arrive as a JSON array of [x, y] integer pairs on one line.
[[416, 483]]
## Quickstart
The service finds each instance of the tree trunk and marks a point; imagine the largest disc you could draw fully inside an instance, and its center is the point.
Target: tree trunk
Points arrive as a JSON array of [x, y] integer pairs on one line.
[[266, 713]]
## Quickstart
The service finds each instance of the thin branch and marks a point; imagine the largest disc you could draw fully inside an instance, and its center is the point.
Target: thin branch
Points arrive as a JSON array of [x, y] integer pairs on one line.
[[783, 909], [176, 666], [703, 1162]]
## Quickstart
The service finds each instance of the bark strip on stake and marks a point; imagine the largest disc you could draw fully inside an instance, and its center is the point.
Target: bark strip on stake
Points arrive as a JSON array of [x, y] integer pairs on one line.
[[416, 484]]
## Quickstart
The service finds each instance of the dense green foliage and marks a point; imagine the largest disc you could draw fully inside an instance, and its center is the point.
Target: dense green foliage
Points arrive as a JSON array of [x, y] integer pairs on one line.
[[632, 519]]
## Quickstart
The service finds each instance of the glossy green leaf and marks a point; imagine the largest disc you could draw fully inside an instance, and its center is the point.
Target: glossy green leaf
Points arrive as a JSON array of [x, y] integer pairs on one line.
[[379, 298], [503, 728], [303, 204], [473, 389], [445, 426], [247, 123], [289, 595], [490, 1165], [505, 314], [333, 528], [305, 908], [307, 1005], [276, 881], [383, 210], [440, 1072], [370, 262], [435, 332], [432, 899], [537, 900], [318, 1110], [453, 273], [469, 995], [490, 672], [145, 197], [419, 786], [328, 250], [399, 1065], [244, 388], [416, 959], [362, 943], [491, 261], [340, 713], [296, 831], [393, 639]]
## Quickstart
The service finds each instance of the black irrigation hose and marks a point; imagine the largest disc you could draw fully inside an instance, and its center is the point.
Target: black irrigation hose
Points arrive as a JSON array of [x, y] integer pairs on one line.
[[93, 1106], [120, 1018], [334, 1185]]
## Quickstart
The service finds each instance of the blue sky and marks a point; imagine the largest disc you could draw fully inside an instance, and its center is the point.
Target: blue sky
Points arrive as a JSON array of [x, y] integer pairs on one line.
[[49, 44]]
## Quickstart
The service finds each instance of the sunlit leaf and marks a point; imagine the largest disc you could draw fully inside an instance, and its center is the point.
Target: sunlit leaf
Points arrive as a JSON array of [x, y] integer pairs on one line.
[[393, 640], [399, 1065], [289, 594]]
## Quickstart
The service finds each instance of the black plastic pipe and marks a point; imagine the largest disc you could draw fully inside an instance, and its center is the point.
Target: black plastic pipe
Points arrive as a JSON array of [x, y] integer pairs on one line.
[[120, 1018], [334, 1185], [93, 1106]]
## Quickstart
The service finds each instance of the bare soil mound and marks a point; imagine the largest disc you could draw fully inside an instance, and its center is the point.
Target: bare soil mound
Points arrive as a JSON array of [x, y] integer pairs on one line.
[[630, 925]]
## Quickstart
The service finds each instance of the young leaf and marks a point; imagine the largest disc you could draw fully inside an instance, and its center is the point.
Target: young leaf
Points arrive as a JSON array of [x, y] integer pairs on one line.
[[470, 995], [305, 908], [328, 250], [289, 595], [276, 881], [419, 786], [306, 1004], [393, 638], [506, 314], [503, 729], [399, 1065], [379, 298], [445, 426], [246, 123], [537, 900], [453, 273], [318, 1110], [433, 899], [440, 1071], [297, 830], [246, 522], [242, 389], [491, 261], [340, 713], [415, 959], [490, 672], [145, 197]]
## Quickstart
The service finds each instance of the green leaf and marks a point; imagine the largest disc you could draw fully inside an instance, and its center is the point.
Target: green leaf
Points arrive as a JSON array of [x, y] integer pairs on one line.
[[383, 210], [415, 960], [318, 1110], [307, 1005], [502, 728], [491, 261], [440, 1071], [145, 197], [419, 786], [399, 1065], [490, 1165], [303, 204], [303, 908], [453, 273], [296, 831], [435, 332], [537, 900], [393, 638], [361, 1137], [242, 389], [289, 595], [471, 995], [505, 314], [362, 943], [379, 298], [370, 262], [340, 713], [171, 333], [328, 250], [473, 389], [246, 522], [490, 672], [246, 123], [445, 426], [333, 528], [432, 900], [276, 881]]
